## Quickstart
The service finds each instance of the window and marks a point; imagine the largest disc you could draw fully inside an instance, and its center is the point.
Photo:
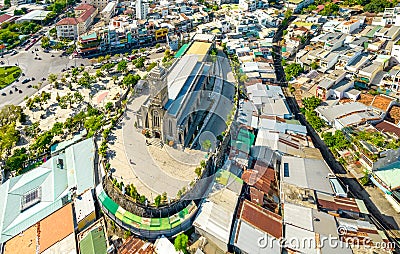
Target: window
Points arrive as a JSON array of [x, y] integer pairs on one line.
[[156, 119], [170, 127], [286, 169], [31, 198]]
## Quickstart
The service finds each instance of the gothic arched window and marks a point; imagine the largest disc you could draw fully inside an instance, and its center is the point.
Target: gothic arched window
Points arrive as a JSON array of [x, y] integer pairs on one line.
[[156, 119]]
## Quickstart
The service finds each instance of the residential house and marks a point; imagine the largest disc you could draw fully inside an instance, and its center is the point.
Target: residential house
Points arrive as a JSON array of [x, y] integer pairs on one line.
[[348, 114], [305, 223], [254, 223], [368, 72], [28, 198], [216, 214], [348, 27], [269, 100], [85, 211], [109, 11], [298, 5], [53, 234], [248, 5]]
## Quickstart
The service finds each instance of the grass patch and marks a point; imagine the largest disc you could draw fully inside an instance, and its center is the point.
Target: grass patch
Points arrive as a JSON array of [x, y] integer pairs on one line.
[[9, 74]]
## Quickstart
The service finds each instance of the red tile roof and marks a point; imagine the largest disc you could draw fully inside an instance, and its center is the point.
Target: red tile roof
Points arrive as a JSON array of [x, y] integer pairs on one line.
[[86, 14], [67, 21], [84, 7], [262, 219], [382, 102], [4, 17], [88, 11], [394, 114]]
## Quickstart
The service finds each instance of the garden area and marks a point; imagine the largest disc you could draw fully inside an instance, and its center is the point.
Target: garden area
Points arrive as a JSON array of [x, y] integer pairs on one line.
[[10, 34], [8, 75]]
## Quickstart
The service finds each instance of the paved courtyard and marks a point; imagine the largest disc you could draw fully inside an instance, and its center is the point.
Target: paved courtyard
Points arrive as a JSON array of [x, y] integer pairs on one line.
[[152, 169]]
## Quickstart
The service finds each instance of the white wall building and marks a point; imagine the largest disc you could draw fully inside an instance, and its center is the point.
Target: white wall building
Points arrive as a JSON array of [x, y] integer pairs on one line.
[[396, 52], [109, 11], [248, 5], [142, 9], [349, 26]]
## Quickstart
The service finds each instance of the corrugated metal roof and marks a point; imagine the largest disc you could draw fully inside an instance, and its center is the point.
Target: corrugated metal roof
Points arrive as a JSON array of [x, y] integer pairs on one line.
[[299, 216], [94, 242], [247, 239], [54, 189], [181, 51], [308, 173]]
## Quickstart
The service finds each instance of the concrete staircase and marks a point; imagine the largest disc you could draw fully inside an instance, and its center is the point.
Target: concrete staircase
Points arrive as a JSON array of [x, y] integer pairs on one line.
[[156, 142]]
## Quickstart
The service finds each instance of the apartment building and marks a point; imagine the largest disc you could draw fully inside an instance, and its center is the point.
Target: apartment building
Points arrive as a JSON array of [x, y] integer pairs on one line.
[[73, 27], [142, 9]]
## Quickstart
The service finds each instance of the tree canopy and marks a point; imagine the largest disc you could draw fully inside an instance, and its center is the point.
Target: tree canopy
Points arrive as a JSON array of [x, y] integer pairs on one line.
[[9, 136], [122, 66], [337, 140], [293, 70], [311, 103], [181, 242], [131, 80], [10, 114], [330, 9]]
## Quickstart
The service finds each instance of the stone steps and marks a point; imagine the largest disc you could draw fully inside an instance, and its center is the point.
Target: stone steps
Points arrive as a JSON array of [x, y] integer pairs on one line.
[[156, 142]]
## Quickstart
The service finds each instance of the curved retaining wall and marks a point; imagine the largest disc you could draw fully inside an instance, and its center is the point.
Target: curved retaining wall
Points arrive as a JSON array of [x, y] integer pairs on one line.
[[149, 228]]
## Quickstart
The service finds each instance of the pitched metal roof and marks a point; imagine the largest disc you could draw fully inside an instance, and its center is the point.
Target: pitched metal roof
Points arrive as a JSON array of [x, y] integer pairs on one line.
[[94, 242]]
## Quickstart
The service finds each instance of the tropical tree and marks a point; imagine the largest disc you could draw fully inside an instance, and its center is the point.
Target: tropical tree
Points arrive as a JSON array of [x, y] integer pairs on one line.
[[45, 42], [10, 114], [181, 242], [293, 70], [52, 78], [108, 106], [157, 201], [206, 144], [93, 124], [100, 59], [131, 80], [17, 160], [151, 66], [198, 171], [99, 74], [122, 66], [140, 62], [311, 103], [58, 129], [9, 136]]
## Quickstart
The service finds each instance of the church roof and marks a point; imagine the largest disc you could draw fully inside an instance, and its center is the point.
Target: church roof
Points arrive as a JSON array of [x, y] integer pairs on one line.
[[157, 72]]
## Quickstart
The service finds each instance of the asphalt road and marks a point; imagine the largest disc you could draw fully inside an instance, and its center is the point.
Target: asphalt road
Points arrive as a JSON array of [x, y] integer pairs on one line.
[[217, 122], [34, 68]]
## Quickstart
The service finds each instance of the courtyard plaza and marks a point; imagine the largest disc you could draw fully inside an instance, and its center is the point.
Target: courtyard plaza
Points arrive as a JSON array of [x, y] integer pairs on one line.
[[152, 169]]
